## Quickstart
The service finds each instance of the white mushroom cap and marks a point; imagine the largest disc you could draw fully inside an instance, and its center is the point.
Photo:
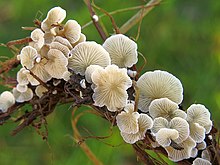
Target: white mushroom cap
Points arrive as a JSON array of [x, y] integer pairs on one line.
[[24, 77], [89, 70], [176, 155], [22, 96], [64, 49], [81, 39], [55, 16], [194, 152], [40, 90], [197, 132], [165, 108], [165, 135], [122, 50], [6, 101], [48, 38], [144, 122], [28, 56], [88, 53], [127, 121], [158, 84], [57, 63], [111, 85], [21, 88], [63, 41], [40, 71], [71, 31], [176, 123], [198, 113], [201, 146], [38, 39], [200, 161]]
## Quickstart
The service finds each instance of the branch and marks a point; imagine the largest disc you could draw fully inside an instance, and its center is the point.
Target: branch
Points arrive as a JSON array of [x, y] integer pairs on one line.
[[139, 15]]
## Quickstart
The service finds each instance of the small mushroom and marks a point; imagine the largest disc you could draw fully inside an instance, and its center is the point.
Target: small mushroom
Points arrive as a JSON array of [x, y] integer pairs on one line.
[[40, 90], [24, 77], [71, 31], [63, 41], [158, 84], [37, 37], [111, 85], [206, 155], [55, 16], [88, 53], [194, 152], [64, 49], [81, 39], [21, 88], [28, 55], [200, 161], [122, 50], [127, 120], [57, 63], [165, 108], [6, 101], [144, 123], [22, 96]]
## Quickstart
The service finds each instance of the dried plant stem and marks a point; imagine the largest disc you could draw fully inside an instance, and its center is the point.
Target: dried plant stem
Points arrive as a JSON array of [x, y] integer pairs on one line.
[[81, 143], [139, 15]]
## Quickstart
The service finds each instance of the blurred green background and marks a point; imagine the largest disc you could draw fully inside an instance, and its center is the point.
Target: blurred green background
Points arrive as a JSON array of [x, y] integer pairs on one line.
[[181, 37]]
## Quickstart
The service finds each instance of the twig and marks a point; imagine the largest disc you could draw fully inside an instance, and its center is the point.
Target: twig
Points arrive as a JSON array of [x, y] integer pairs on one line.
[[139, 15], [96, 23]]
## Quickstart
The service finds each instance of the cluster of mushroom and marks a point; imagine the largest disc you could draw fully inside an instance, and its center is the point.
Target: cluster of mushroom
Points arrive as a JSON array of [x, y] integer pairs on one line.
[[58, 50]]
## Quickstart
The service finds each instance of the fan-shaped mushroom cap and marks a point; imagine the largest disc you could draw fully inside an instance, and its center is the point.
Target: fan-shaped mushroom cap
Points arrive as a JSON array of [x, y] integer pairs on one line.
[[122, 50], [165, 108], [158, 84], [176, 154], [38, 39], [127, 121], [57, 63], [111, 85], [63, 41], [6, 101], [40, 71], [64, 49], [176, 123], [22, 96], [88, 53], [165, 135], [71, 31], [28, 56], [198, 113], [194, 152], [55, 16], [81, 39], [24, 77], [201, 146], [206, 155], [40, 90], [48, 37], [144, 122], [200, 161], [89, 70], [197, 132]]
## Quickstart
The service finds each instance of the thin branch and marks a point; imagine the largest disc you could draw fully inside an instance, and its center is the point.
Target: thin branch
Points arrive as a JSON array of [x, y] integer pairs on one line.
[[139, 15], [96, 23]]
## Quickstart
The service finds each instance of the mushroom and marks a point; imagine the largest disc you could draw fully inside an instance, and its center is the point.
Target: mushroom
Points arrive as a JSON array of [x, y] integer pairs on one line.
[[200, 161], [194, 152], [22, 96], [158, 84], [127, 120], [28, 55], [40, 90], [111, 85], [71, 31], [198, 117], [57, 63], [183, 151], [206, 155], [165, 108], [37, 37], [89, 70], [24, 77], [122, 50], [88, 53], [144, 123], [55, 16], [21, 88], [6, 101], [176, 123], [81, 39]]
